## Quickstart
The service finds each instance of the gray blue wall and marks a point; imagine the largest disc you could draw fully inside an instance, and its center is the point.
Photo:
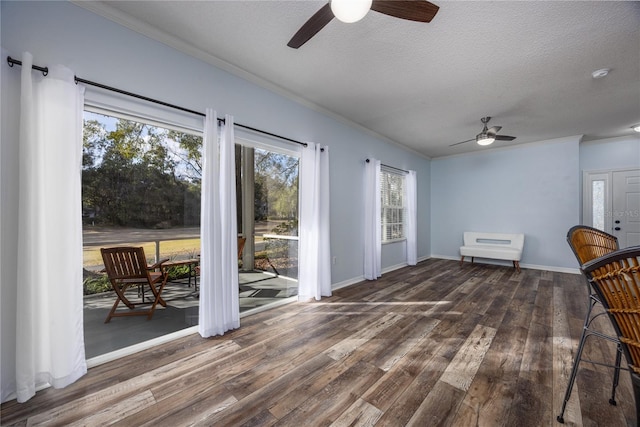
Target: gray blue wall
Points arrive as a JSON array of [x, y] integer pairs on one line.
[[610, 154], [532, 189]]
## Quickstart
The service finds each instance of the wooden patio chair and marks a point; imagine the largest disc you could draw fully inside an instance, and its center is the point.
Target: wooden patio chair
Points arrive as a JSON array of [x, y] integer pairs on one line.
[[615, 278], [241, 242], [127, 267], [587, 244]]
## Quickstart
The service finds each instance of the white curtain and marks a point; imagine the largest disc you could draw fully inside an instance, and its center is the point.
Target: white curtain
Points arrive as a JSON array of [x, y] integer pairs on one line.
[[372, 225], [49, 323], [314, 255], [219, 309], [411, 228]]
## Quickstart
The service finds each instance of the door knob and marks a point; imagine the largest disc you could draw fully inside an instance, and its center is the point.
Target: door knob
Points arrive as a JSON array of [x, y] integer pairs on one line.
[[617, 228]]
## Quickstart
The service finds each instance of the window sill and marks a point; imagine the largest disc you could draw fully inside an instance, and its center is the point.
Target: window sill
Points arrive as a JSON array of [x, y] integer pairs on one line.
[[385, 242]]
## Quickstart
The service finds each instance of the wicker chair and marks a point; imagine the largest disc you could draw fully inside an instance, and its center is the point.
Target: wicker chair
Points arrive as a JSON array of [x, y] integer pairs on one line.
[[127, 267], [615, 279], [587, 244]]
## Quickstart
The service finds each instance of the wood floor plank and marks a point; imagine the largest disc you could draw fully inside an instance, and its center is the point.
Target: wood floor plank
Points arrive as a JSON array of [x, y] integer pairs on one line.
[[168, 407], [116, 412], [563, 354], [361, 414], [427, 345], [537, 356], [97, 401], [490, 395], [384, 293], [278, 363], [348, 345], [464, 366], [402, 342], [253, 405], [439, 407], [530, 401], [197, 413], [400, 411], [336, 397], [426, 356]]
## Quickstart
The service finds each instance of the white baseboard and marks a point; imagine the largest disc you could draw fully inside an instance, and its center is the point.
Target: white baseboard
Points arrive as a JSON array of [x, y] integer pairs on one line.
[[348, 282], [522, 265], [358, 279], [354, 280], [117, 354], [552, 268]]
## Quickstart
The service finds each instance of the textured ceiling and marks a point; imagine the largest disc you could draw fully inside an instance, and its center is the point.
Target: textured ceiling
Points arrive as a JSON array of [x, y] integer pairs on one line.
[[426, 86]]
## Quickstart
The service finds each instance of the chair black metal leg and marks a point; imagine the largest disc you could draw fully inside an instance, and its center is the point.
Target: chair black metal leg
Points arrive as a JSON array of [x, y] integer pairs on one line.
[[616, 375], [576, 363]]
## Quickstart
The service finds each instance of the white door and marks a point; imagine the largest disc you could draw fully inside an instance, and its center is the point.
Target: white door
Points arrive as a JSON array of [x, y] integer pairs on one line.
[[626, 207]]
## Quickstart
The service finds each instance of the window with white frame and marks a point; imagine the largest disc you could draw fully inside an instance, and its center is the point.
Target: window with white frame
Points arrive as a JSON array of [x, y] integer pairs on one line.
[[392, 191]]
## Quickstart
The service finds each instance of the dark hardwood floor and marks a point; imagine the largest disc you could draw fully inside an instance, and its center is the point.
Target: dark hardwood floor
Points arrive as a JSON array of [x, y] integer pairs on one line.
[[436, 344]]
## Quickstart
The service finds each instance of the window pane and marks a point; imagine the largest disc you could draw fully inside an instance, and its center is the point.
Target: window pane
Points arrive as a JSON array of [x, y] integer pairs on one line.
[[597, 197], [140, 187], [275, 211], [392, 198]]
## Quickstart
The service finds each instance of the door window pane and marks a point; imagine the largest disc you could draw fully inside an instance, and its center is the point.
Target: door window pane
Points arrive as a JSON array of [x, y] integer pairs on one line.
[[597, 199]]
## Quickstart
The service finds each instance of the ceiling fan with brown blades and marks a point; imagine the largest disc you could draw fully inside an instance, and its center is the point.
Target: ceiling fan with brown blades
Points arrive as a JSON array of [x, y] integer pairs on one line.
[[487, 136], [354, 10]]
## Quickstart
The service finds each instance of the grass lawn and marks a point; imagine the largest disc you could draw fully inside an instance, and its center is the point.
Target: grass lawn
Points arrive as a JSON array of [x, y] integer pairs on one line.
[[172, 249]]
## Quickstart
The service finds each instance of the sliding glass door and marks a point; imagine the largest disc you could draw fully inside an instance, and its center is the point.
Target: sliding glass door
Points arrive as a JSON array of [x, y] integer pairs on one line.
[[141, 187], [268, 212]]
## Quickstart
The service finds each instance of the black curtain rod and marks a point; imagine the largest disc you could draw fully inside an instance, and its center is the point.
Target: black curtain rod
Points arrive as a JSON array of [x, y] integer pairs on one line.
[[45, 71], [390, 167]]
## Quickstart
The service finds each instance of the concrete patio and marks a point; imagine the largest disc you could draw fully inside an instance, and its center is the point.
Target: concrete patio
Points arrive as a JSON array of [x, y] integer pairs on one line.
[[257, 289]]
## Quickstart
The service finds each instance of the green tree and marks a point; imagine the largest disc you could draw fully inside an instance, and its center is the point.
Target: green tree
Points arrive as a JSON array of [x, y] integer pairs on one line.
[[132, 176], [190, 153], [276, 185]]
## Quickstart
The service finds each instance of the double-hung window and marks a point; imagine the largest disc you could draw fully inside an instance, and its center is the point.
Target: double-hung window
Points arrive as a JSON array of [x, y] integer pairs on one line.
[[393, 193]]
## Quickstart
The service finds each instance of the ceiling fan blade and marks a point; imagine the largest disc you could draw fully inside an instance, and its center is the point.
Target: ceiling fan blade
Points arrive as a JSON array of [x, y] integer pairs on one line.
[[505, 138], [413, 10], [494, 129], [458, 143], [310, 28]]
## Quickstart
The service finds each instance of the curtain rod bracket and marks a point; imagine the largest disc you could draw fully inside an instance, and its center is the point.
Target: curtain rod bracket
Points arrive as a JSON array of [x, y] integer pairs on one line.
[[390, 167], [43, 70]]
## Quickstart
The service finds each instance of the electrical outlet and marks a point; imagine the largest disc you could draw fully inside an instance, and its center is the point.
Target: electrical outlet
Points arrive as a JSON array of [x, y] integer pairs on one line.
[[334, 260]]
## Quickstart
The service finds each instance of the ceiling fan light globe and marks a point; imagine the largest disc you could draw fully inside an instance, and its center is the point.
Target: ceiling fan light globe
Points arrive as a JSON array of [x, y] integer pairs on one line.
[[349, 11], [485, 140]]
